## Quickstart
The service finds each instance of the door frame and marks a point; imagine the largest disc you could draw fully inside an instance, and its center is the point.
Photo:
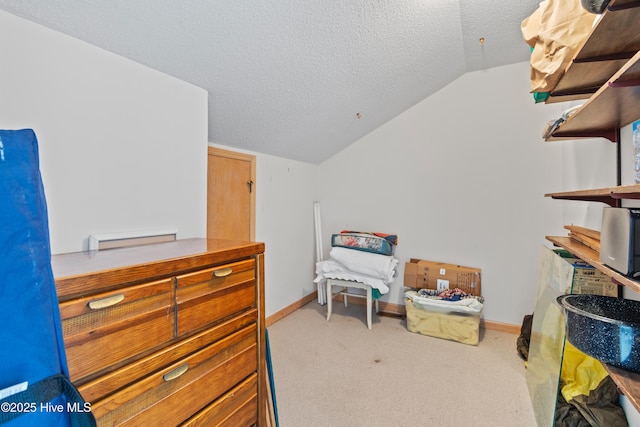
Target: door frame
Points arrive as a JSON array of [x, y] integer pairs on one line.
[[215, 151]]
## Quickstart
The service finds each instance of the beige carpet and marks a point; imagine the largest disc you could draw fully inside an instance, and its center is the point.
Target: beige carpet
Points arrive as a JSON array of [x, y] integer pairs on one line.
[[340, 373]]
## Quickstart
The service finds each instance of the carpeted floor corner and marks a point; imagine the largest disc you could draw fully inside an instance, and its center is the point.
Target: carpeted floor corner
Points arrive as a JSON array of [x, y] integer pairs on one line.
[[340, 373]]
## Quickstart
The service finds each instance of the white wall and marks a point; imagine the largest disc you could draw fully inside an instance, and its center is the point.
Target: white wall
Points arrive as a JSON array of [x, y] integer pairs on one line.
[[122, 147], [460, 178], [589, 163], [284, 221]]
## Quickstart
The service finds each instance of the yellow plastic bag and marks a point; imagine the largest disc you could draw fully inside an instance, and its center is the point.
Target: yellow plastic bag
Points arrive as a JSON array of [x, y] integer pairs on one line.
[[580, 373]]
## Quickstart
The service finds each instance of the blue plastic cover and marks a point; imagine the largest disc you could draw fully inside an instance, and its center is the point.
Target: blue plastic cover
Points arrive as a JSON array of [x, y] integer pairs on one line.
[[32, 347]]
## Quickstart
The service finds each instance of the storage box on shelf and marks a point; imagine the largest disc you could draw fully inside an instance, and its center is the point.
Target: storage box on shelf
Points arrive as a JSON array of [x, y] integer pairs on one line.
[[583, 278], [147, 328]]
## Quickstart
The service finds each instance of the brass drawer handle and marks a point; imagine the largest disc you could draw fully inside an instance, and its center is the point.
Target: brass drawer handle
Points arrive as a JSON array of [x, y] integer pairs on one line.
[[172, 375], [223, 273], [106, 302]]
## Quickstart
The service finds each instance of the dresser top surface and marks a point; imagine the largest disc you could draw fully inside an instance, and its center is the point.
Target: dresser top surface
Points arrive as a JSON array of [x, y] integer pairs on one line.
[[80, 263]]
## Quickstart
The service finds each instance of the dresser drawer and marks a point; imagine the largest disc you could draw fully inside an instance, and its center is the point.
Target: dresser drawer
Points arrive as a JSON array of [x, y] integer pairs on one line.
[[236, 408], [170, 395], [111, 382], [103, 329], [209, 295]]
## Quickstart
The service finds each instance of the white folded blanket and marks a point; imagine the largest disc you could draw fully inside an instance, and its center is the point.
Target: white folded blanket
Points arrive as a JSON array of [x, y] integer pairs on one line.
[[373, 265], [465, 305], [331, 269]]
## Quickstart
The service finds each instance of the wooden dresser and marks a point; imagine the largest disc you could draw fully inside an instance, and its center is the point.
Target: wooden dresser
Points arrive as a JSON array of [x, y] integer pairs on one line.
[[167, 334]]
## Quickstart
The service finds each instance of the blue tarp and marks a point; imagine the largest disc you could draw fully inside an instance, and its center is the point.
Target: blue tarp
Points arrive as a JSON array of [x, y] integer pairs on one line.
[[32, 349]]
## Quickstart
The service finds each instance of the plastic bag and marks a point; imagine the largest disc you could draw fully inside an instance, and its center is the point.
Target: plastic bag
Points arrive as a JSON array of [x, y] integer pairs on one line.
[[589, 393]]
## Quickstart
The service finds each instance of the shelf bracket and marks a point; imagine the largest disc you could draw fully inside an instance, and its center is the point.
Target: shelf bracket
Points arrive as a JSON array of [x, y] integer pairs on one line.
[[579, 91], [631, 196], [624, 83], [608, 200], [610, 134], [609, 57]]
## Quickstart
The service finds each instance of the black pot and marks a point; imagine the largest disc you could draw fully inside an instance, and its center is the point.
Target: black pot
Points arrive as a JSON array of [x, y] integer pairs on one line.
[[595, 6], [605, 328]]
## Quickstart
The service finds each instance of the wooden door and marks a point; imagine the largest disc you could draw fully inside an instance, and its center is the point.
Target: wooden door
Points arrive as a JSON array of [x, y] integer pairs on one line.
[[231, 195]]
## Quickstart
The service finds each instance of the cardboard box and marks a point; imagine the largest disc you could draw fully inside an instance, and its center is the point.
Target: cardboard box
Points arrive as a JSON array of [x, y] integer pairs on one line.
[[583, 278], [419, 273]]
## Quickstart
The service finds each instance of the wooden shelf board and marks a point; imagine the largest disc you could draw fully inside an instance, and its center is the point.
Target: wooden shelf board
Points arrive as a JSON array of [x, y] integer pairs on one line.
[[628, 383], [598, 59], [615, 32], [584, 79], [607, 195], [623, 4], [626, 192], [593, 257], [607, 109], [610, 108], [606, 191], [596, 195]]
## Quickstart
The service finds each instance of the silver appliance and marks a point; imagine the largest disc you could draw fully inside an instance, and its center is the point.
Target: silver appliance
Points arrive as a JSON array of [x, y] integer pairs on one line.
[[620, 240]]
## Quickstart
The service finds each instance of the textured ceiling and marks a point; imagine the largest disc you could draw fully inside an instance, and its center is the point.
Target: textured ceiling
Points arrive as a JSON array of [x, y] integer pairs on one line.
[[300, 79]]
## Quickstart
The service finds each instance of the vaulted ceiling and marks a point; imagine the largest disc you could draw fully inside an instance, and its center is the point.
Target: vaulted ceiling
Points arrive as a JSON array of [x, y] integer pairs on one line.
[[300, 79]]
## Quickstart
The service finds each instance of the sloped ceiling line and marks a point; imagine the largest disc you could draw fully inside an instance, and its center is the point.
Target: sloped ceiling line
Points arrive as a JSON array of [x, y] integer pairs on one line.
[[287, 78]]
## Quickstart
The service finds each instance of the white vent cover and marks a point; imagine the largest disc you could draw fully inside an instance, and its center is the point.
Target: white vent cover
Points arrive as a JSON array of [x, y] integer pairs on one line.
[[118, 240]]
